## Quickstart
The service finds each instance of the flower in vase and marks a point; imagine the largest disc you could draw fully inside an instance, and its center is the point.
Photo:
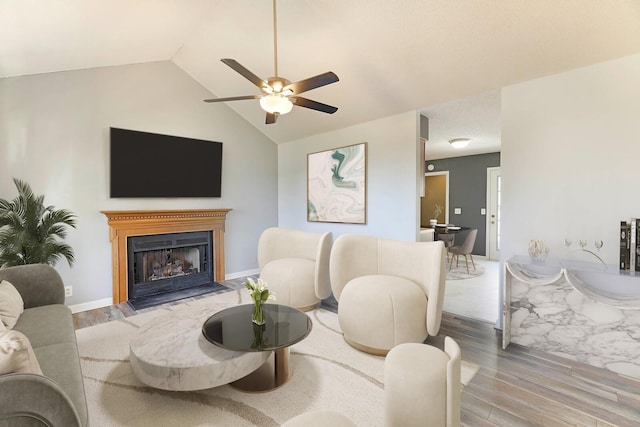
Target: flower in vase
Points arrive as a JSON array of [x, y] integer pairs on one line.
[[259, 294], [258, 337], [258, 291], [538, 251]]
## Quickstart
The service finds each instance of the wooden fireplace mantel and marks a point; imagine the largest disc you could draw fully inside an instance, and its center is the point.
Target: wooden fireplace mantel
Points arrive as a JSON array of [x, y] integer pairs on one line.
[[123, 224]]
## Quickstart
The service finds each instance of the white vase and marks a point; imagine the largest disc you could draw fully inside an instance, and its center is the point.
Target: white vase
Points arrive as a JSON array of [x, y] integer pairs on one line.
[[538, 251]]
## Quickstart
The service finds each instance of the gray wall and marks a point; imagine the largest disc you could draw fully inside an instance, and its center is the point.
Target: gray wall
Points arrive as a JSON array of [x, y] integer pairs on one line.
[[54, 134], [468, 191]]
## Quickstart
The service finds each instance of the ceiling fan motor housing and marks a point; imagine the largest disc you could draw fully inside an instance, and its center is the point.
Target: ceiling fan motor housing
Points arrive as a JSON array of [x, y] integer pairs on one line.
[[276, 85]]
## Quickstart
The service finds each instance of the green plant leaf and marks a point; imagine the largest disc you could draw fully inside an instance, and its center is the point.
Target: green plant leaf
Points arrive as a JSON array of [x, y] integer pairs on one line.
[[30, 232]]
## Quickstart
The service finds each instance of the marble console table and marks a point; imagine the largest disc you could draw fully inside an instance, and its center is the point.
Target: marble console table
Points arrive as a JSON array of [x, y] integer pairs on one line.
[[584, 311]]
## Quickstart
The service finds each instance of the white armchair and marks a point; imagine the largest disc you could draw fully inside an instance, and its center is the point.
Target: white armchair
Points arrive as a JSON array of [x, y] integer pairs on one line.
[[422, 385], [295, 266], [421, 388], [389, 292]]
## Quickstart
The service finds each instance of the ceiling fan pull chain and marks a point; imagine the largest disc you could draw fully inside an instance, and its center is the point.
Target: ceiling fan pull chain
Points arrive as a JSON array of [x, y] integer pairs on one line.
[[275, 40]]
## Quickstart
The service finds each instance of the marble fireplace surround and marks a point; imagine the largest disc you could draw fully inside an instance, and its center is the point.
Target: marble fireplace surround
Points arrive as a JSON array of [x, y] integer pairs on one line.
[[124, 224]]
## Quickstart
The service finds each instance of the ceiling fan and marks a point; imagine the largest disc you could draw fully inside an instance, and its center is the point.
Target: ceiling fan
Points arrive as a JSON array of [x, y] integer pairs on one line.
[[279, 95]]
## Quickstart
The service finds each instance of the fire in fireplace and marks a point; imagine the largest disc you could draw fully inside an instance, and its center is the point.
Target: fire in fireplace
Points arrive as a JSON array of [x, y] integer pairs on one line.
[[164, 263]]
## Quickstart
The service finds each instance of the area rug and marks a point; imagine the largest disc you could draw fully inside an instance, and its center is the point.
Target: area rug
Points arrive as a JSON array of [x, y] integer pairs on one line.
[[327, 374], [460, 271]]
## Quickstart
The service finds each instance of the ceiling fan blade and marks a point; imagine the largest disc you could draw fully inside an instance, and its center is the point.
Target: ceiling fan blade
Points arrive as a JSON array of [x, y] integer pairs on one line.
[[271, 118], [244, 72], [233, 98], [314, 105], [312, 83]]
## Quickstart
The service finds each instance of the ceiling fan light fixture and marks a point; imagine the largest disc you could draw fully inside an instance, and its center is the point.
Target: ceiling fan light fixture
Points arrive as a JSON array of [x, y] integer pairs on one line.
[[279, 94], [459, 142], [276, 103]]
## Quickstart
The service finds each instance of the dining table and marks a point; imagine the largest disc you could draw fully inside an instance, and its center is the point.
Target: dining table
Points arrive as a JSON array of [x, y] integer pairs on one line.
[[448, 229]]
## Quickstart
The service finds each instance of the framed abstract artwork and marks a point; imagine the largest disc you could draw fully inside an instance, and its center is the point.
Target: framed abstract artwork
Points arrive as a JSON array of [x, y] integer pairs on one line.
[[337, 185]]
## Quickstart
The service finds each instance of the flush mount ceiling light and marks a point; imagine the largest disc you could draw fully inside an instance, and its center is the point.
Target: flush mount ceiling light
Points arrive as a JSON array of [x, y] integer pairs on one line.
[[459, 142]]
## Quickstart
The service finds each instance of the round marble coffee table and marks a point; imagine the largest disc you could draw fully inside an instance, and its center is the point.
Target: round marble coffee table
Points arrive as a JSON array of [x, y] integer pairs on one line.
[[170, 353]]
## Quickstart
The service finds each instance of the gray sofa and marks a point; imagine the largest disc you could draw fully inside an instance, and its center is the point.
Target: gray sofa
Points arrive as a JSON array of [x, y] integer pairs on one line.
[[57, 398]]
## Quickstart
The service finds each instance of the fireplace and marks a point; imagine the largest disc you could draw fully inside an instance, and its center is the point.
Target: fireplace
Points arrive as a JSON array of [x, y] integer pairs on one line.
[[162, 263], [124, 225]]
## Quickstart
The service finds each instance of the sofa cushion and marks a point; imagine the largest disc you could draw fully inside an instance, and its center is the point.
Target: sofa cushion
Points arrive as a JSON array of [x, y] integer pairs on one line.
[[16, 354], [11, 304], [46, 325]]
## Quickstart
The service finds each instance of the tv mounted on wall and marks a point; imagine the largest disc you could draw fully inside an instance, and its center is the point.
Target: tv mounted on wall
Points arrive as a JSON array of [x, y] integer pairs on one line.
[[147, 164]]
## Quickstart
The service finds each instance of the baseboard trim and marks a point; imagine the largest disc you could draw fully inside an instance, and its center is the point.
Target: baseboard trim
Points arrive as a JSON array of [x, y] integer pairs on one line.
[[91, 305], [106, 302], [241, 274]]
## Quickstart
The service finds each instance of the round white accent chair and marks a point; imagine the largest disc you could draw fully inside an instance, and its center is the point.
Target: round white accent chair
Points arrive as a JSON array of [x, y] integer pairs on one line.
[[389, 292], [295, 266], [421, 388], [422, 385]]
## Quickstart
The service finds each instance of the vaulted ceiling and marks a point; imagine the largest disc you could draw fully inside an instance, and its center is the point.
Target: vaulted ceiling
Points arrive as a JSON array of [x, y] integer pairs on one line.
[[390, 56]]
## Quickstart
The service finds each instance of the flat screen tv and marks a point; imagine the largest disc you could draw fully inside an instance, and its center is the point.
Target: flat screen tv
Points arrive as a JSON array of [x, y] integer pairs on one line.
[[147, 164]]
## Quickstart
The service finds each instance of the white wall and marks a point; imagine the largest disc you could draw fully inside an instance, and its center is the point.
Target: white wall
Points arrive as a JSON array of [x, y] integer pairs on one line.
[[571, 158], [392, 171], [54, 134], [570, 150]]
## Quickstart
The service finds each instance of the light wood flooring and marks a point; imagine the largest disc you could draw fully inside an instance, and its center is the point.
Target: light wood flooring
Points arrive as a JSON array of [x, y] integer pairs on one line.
[[522, 387], [514, 387]]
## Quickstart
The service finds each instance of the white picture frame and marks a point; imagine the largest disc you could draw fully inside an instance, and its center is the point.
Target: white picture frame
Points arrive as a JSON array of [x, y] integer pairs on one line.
[[337, 185]]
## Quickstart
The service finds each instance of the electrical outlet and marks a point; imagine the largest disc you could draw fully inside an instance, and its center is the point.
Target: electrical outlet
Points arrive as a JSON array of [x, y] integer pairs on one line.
[[483, 211], [457, 211], [68, 291]]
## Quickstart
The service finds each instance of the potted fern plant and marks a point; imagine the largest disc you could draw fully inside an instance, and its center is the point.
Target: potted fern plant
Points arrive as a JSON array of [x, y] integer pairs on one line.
[[32, 233]]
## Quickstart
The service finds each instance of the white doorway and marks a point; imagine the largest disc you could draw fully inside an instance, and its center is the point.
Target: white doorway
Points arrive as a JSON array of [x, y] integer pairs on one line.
[[494, 193]]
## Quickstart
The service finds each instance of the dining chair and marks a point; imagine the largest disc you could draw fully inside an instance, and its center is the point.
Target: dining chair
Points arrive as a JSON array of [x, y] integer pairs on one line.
[[464, 249], [449, 241]]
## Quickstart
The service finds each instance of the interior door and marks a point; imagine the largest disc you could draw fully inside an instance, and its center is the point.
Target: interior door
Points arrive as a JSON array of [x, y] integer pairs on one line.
[[493, 217], [435, 203]]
